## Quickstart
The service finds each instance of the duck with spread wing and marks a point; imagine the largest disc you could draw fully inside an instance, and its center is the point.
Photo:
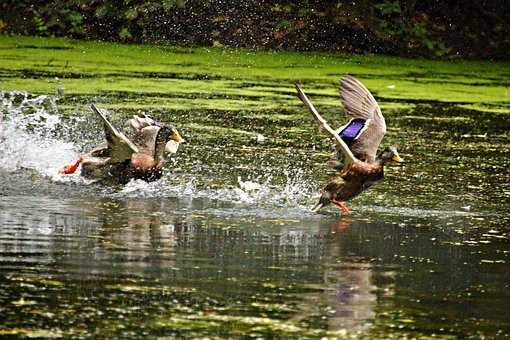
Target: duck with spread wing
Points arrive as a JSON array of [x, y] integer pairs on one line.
[[359, 163], [122, 159]]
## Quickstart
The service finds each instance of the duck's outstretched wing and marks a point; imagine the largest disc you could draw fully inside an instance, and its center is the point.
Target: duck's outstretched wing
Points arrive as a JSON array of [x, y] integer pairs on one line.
[[366, 129], [145, 133], [342, 146], [120, 148], [153, 138]]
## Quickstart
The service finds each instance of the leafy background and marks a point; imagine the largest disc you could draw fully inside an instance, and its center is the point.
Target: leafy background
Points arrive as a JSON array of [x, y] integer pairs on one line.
[[468, 29]]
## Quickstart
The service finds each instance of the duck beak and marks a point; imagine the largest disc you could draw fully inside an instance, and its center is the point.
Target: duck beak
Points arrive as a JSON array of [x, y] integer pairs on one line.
[[396, 158], [177, 138]]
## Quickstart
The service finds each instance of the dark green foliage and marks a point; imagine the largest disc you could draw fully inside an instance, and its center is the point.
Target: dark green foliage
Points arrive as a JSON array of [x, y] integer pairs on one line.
[[408, 27], [411, 28]]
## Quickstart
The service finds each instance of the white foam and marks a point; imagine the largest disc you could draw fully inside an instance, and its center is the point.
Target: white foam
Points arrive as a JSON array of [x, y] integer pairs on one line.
[[261, 196], [28, 125], [31, 131]]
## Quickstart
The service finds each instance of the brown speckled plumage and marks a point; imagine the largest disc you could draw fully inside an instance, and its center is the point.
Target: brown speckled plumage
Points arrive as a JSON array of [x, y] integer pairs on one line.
[[141, 157], [359, 166]]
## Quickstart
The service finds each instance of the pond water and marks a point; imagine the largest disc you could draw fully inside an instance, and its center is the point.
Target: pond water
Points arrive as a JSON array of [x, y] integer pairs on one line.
[[225, 244]]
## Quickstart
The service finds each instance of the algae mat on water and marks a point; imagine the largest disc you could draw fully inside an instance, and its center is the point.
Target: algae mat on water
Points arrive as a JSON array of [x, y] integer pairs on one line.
[[149, 76], [425, 253], [224, 97]]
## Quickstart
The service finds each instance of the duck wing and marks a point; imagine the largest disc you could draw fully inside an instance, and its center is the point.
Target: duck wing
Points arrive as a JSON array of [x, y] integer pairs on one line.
[[152, 137], [341, 145], [145, 133], [366, 129], [119, 147]]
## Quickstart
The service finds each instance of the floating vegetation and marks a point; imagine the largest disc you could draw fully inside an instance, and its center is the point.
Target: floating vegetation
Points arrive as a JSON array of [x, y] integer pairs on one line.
[[224, 245]]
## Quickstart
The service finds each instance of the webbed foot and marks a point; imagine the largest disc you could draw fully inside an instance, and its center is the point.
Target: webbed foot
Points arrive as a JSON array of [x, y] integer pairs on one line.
[[342, 206], [71, 168]]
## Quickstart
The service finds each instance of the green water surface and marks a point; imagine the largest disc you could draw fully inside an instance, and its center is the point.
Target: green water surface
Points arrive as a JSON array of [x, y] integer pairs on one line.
[[425, 254]]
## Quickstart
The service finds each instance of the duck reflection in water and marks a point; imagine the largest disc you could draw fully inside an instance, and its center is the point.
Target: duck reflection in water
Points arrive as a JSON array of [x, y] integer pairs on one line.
[[140, 242], [341, 224], [350, 291], [348, 287]]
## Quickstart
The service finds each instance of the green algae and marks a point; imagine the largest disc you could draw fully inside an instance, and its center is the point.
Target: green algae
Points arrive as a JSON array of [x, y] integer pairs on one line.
[[159, 267], [237, 79], [32, 333]]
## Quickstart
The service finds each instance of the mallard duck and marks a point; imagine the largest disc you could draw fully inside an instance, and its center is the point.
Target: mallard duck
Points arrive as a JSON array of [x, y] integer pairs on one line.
[[358, 163], [122, 159]]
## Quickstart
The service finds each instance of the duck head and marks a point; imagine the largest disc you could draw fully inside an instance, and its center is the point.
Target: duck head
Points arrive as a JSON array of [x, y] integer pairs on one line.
[[390, 154], [168, 140]]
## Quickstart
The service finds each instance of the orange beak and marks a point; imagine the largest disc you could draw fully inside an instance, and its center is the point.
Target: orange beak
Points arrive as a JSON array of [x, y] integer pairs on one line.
[[396, 158]]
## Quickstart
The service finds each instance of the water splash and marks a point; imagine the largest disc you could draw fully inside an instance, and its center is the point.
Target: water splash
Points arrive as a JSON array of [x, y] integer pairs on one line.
[[29, 126], [35, 137], [258, 194]]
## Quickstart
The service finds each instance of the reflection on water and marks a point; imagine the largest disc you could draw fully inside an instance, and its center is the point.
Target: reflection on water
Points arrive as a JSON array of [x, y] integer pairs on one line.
[[110, 264], [249, 272], [350, 293], [226, 245]]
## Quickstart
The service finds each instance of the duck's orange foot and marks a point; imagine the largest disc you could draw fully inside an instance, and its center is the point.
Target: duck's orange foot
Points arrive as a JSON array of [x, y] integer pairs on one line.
[[71, 168], [342, 206]]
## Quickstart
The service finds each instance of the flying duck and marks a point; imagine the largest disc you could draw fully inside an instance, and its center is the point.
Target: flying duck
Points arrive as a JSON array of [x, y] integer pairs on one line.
[[358, 162]]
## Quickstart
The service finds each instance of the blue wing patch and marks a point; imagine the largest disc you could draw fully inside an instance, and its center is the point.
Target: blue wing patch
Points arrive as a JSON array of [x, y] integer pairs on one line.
[[352, 130]]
